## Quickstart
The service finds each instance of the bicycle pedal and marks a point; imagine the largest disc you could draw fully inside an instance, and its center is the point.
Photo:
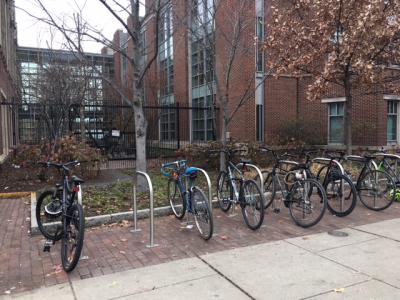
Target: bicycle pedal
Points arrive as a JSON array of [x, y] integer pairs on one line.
[[277, 210], [47, 245]]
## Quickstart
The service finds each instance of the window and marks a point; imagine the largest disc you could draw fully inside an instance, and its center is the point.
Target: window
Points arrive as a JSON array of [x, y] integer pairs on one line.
[[336, 123], [166, 74], [392, 121], [259, 44], [203, 121]]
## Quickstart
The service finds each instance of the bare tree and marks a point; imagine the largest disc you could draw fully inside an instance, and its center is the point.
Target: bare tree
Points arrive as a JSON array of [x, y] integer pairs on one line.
[[79, 30], [352, 44]]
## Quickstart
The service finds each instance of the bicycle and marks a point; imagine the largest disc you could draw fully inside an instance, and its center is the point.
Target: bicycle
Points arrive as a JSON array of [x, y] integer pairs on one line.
[[305, 197], [389, 164], [375, 188], [340, 189], [233, 188], [189, 199], [60, 215]]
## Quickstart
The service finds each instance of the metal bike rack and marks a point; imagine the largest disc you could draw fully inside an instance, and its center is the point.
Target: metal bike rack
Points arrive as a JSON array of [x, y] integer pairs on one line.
[[151, 192], [325, 161], [259, 174], [395, 157], [361, 159], [209, 187], [135, 228]]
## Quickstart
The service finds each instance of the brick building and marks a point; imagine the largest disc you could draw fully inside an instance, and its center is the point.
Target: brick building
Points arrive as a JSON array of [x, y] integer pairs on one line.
[[195, 44], [8, 79]]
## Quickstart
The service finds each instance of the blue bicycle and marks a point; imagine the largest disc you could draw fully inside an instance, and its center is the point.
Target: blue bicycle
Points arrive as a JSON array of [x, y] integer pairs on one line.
[[184, 196]]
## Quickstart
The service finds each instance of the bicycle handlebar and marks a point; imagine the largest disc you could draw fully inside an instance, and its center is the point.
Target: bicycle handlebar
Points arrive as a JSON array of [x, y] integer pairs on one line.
[[65, 166], [175, 166]]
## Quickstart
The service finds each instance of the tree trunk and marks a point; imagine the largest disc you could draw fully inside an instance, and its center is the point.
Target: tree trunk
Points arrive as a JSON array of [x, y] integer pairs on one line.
[[224, 141], [348, 116], [140, 132]]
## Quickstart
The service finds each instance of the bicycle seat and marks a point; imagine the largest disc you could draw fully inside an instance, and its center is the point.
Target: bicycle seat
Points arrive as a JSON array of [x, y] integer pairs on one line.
[[77, 180], [245, 161], [191, 171]]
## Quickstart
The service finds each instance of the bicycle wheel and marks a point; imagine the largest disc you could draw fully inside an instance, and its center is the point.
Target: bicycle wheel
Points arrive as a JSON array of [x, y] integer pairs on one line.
[[341, 194], [252, 204], [307, 202], [202, 213], [176, 199], [269, 190], [72, 241], [376, 190], [49, 214], [224, 191]]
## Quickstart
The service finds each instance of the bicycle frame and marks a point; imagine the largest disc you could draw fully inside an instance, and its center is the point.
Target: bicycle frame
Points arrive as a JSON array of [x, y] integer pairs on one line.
[[231, 168]]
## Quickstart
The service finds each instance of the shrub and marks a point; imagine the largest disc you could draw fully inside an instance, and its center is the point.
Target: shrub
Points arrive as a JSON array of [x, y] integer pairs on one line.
[[63, 150], [296, 134]]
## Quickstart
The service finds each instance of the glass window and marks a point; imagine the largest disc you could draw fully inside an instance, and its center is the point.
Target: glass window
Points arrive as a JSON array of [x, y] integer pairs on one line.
[[392, 121], [202, 118], [336, 123]]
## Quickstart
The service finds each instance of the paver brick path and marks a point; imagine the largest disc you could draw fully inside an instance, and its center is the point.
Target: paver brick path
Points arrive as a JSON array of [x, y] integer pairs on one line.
[[110, 249]]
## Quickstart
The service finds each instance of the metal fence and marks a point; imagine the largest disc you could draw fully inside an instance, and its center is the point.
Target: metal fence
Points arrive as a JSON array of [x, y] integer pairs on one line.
[[111, 127]]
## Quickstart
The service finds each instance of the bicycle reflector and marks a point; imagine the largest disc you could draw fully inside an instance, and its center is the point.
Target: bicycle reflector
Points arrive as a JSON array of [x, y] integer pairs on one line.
[[175, 175], [76, 189]]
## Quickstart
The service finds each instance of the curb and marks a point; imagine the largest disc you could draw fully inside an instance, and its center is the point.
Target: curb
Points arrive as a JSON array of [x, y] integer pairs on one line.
[[14, 195], [107, 219]]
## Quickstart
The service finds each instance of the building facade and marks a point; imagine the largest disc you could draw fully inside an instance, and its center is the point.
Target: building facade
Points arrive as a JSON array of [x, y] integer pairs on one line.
[[62, 93], [210, 58], [9, 91]]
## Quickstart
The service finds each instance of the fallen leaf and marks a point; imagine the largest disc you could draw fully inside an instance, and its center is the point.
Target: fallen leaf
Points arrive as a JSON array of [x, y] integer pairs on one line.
[[339, 290], [224, 237], [7, 292], [122, 252], [306, 238], [124, 240]]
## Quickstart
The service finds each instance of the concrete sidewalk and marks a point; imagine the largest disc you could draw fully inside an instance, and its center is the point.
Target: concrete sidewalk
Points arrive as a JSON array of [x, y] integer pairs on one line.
[[362, 265]]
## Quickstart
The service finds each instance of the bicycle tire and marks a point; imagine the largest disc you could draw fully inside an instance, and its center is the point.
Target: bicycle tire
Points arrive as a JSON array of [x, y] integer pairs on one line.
[[225, 196], [334, 187], [74, 218], [367, 187], [202, 212], [255, 200], [269, 190], [176, 199], [51, 231], [312, 200]]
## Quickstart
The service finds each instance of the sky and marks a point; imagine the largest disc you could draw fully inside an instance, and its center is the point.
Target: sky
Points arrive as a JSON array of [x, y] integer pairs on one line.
[[33, 33]]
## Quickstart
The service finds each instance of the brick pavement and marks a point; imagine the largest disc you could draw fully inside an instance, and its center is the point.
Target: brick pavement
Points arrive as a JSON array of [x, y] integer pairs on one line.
[[24, 266]]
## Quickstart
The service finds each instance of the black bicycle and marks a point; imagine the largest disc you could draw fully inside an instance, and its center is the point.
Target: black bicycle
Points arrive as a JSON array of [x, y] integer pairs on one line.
[[304, 196], [60, 215], [233, 188], [339, 187]]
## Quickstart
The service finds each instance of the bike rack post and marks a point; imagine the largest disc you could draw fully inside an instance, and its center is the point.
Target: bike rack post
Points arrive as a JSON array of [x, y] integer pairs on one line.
[[209, 188], [258, 172], [135, 229], [151, 192], [358, 158], [324, 160]]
